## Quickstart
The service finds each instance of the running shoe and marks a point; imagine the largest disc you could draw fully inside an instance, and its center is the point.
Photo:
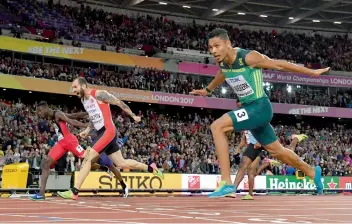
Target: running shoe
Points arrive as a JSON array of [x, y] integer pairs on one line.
[[317, 180], [37, 197], [221, 184], [106, 169], [248, 197], [125, 192], [272, 162], [67, 195], [223, 191], [300, 137], [156, 171], [111, 174]]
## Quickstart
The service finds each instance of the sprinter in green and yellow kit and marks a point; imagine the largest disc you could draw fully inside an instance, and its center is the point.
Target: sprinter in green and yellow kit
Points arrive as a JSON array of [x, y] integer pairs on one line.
[[242, 71]]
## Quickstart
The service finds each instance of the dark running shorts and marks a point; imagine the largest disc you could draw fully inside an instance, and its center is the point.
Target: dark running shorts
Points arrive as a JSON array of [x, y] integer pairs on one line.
[[252, 153], [255, 117], [104, 160], [105, 141]]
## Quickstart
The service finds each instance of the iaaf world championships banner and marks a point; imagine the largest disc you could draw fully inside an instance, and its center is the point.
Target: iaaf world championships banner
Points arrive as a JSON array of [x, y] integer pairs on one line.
[[58, 87], [106, 57], [274, 76]]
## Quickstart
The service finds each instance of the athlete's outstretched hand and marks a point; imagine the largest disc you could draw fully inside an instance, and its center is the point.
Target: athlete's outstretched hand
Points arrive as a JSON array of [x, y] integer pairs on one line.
[[84, 134], [137, 119], [201, 92], [318, 72]]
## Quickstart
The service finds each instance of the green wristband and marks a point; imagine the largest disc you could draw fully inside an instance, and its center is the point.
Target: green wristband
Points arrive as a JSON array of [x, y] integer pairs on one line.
[[208, 90]]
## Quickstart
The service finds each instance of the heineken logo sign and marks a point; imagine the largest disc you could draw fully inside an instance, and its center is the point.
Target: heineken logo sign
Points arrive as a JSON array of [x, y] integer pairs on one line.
[[291, 182], [278, 183]]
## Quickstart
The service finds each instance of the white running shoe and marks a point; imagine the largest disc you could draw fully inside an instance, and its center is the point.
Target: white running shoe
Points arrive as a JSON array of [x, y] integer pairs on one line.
[[125, 192]]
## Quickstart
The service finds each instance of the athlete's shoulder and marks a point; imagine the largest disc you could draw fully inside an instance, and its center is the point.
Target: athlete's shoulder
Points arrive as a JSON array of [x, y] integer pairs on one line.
[[58, 115], [241, 50], [93, 92], [100, 93], [241, 56]]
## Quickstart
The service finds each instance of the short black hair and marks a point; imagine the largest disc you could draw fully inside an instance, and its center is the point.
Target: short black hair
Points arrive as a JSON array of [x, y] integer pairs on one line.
[[82, 81], [43, 104], [219, 32]]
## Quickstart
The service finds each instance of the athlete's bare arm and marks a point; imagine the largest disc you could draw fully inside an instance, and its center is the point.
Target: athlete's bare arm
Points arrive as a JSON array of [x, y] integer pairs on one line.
[[218, 80], [61, 116], [79, 115], [85, 133], [257, 145], [258, 60], [105, 96]]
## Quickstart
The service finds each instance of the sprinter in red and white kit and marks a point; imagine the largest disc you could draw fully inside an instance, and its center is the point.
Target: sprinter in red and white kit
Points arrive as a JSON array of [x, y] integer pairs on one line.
[[97, 104], [66, 142]]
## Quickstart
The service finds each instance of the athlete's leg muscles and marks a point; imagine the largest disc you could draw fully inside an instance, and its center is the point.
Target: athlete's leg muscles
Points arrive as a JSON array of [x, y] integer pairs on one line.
[[252, 172], [118, 176], [91, 154], [293, 144], [118, 159], [95, 166], [219, 129], [106, 163], [245, 163], [45, 174], [289, 157], [54, 154], [95, 160], [267, 137], [117, 173], [264, 165], [228, 129]]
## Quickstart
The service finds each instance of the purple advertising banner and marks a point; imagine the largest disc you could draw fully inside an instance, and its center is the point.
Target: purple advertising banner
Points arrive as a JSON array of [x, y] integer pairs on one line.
[[60, 87], [230, 104], [273, 76]]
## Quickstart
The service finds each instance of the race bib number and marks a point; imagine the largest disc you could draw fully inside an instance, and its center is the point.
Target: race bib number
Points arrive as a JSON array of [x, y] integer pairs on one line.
[[241, 115], [240, 86], [97, 118], [79, 149]]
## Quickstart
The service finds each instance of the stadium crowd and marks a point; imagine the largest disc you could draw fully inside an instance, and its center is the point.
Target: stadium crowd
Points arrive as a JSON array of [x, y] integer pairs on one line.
[[177, 144], [163, 81], [118, 30]]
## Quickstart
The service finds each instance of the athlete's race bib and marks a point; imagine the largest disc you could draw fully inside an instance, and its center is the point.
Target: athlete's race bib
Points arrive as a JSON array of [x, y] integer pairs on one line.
[[96, 116], [94, 112], [240, 86]]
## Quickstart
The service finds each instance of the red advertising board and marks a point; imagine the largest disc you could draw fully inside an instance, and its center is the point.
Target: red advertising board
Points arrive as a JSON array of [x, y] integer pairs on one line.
[[346, 183]]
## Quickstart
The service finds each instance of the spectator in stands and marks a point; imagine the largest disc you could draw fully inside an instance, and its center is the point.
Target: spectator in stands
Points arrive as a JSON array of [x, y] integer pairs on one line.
[[163, 81], [181, 151], [87, 24]]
